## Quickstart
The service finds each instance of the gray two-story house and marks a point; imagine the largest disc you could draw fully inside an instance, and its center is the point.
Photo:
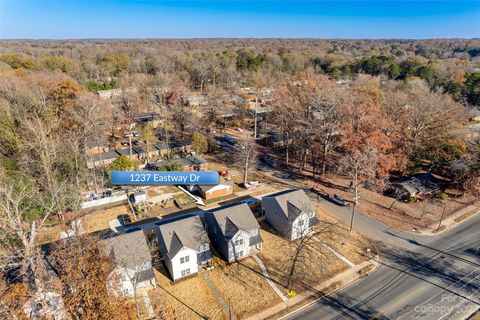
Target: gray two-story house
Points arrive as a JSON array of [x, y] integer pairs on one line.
[[234, 231], [290, 212]]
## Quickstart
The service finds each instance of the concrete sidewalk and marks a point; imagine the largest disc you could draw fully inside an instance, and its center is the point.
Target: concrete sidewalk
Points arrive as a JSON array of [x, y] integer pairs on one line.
[[336, 253], [269, 280], [453, 220], [344, 278], [217, 294]]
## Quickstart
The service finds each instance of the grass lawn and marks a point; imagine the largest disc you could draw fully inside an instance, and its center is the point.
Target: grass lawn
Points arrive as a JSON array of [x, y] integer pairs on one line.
[[277, 256], [350, 244], [404, 216], [244, 286], [184, 300]]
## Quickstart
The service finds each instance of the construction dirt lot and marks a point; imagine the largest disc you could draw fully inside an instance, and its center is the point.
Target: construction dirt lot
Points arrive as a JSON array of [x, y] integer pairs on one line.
[[240, 284], [92, 220], [244, 286]]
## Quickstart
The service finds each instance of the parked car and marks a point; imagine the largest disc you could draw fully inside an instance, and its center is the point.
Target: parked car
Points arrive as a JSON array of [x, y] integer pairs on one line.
[[135, 142], [248, 201], [223, 173], [124, 219], [136, 133], [125, 143], [268, 161], [338, 200], [229, 139], [252, 184], [239, 130]]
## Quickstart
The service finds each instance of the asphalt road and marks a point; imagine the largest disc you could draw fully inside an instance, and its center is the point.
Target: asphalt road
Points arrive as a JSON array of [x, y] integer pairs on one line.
[[419, 277]]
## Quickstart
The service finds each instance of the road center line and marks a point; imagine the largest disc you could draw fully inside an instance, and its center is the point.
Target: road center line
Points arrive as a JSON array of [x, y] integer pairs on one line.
[[436, 295]]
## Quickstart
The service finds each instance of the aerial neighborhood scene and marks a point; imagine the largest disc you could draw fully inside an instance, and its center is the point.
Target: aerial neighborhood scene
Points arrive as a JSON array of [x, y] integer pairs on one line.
[[240, 160]]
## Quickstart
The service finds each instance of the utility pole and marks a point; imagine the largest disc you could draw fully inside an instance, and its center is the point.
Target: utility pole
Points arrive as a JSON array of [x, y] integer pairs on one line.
[[130, 144], [441, 218], [355, 198], [256, 113]]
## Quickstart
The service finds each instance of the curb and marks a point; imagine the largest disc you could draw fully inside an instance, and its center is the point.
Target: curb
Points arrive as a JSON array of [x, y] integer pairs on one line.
[[447, 228], [276, 311]]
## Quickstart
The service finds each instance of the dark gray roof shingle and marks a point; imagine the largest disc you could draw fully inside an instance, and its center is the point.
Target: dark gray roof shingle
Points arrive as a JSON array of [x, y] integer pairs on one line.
[[188, 232], [293, 202], [234, 217], [128, 249]]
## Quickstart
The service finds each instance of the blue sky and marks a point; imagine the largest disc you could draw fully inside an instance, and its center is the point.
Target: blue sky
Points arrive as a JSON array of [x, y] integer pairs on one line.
[[237, 19]]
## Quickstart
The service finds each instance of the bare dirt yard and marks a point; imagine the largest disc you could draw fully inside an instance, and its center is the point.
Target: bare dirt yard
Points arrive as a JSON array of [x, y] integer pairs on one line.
[[92, 219], [351, 245]]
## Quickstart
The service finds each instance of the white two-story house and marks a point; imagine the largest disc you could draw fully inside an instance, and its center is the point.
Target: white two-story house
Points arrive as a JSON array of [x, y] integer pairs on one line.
[[290, 212], [234, 231], [184, 246], [134, 270]]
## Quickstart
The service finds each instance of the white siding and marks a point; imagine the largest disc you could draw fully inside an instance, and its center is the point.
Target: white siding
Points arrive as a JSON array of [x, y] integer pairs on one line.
[[239, 246], [121, 280], [300, 226], [177, 267]]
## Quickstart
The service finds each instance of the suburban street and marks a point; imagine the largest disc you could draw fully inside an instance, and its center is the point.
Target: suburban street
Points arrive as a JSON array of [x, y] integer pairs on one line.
[[419, 277]]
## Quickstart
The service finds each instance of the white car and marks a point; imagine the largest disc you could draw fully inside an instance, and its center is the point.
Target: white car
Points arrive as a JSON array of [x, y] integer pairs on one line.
[[252, 184]]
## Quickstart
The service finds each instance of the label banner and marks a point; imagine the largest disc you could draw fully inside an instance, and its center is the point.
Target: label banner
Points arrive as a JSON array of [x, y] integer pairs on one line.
[[165, 177]]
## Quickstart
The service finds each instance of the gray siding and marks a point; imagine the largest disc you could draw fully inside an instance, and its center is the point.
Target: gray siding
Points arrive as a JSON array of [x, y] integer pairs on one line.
[[215, 235], [276, 217]]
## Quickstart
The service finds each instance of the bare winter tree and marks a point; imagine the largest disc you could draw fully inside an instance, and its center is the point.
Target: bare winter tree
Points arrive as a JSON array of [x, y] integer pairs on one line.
[[285, 115], [247, 156], [360, 166], [84, 271], [46, 140], [305, 249], [20, 254], [327, 108]]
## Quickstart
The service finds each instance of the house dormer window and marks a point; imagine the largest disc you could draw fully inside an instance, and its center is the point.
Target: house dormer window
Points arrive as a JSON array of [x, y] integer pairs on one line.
[[203, 247]]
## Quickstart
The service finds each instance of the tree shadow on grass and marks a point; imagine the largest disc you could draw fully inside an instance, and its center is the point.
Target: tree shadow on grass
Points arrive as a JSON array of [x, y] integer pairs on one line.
[[202, 316]]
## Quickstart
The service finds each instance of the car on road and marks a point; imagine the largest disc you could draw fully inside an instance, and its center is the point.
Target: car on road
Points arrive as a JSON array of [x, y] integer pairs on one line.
[[338, 200], [268, 161], [229, 139]]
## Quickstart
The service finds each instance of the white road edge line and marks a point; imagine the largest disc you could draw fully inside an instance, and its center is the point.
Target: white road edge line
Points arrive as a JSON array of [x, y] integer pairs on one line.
[[436, 295], [322, 297], [459, 304]]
